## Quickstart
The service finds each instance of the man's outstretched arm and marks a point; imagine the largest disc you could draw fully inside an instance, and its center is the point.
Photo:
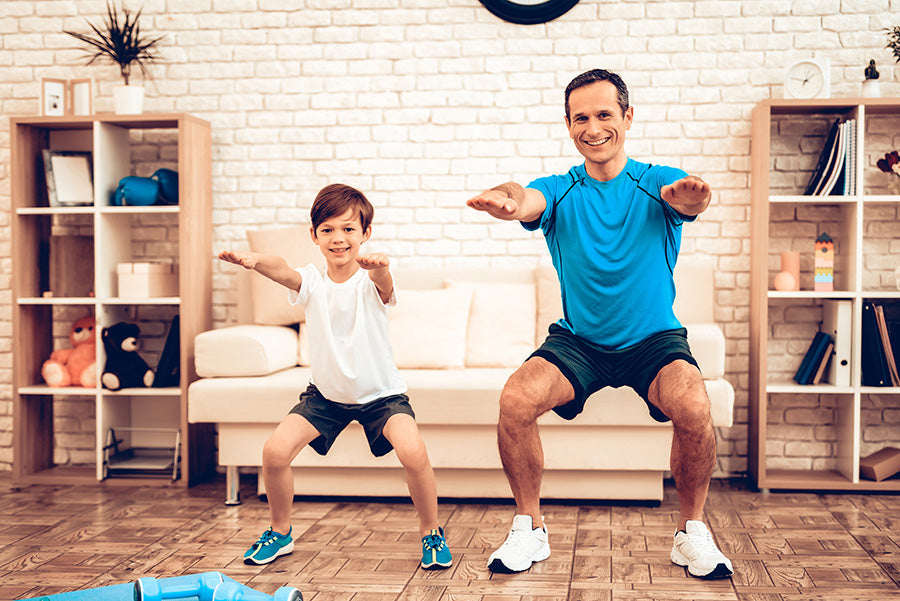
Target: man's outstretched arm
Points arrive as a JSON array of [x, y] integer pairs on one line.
[[510, 202], [689, 195]]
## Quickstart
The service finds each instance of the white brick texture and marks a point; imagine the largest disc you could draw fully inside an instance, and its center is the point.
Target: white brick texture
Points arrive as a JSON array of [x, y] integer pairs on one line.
[[424, 103]]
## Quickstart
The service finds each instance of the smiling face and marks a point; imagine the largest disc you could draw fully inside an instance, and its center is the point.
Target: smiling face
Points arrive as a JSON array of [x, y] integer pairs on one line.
[[339, 238], [597, 125]]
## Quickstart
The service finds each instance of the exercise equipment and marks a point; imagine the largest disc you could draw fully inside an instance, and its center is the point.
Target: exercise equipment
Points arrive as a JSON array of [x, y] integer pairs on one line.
[[208, 586]]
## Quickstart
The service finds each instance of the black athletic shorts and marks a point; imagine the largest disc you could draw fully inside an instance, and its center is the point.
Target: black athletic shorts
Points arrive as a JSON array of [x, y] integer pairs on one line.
[[590, 367], [330, 418]]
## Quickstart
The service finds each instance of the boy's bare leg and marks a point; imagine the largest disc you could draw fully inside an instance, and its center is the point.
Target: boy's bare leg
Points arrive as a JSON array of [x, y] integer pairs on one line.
[[403, 433], [289, 438], [534, 389]]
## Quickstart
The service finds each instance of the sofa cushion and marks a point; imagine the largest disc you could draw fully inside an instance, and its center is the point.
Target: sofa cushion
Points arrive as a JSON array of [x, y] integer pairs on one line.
[[501, 324], [247, 350], [270, 300], [549, 301], [428, 327], [708, 347]]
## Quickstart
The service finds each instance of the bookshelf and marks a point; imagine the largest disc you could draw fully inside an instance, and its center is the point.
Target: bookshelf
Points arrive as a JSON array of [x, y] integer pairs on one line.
[[811, 437], [48, 294]]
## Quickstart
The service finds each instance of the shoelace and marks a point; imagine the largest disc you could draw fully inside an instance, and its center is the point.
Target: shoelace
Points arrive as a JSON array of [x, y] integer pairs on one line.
[[267, 537], [434, 541], [517, 538], [700, 543]]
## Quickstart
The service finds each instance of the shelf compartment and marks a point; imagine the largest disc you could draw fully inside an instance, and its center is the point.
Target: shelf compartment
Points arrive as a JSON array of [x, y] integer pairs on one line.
[[121, 458]]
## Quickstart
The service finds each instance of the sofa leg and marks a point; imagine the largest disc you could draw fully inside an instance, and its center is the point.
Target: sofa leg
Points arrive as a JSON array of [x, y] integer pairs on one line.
[[232, 485]]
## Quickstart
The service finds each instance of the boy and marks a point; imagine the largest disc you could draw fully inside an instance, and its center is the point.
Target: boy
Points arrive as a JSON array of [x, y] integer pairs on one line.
[[353, 372]]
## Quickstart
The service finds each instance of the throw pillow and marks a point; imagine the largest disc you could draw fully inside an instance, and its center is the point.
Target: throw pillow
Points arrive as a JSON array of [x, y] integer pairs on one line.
[[428, 327], [270, 300], [501, 324]]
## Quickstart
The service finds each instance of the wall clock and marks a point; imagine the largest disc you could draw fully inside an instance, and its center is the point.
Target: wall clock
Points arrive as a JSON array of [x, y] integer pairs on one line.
[[525, 12], [808, 78]]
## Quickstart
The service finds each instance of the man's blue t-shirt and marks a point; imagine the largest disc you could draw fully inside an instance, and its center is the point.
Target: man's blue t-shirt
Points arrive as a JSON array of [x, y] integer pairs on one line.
[[614, 245]]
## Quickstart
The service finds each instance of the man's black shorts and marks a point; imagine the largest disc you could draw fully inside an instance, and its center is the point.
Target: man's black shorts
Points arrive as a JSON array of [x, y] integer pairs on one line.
[[590, 367], [330, 418]]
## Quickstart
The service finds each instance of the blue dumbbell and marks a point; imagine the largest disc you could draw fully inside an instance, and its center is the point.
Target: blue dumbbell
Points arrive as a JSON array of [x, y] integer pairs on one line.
[[209, 586]]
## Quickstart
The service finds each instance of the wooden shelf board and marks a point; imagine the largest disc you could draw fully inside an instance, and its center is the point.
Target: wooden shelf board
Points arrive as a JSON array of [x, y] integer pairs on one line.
[[822, 480], [794, 388], [789, 294], [44, 390], [128, 210], [153, 300]]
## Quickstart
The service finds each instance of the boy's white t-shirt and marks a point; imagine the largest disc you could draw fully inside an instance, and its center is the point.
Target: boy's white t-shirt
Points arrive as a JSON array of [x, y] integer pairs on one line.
[[349, 352]]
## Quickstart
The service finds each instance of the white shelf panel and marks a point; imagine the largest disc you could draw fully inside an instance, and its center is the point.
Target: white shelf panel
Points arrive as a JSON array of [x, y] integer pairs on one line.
[[793, 388], [82, 210], [152, 209], [812, 294], [53, 300]]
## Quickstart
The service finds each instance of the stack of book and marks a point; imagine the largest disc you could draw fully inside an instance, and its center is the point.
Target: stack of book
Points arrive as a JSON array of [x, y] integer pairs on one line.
[[812, 368], [880, 344], [835, 172]]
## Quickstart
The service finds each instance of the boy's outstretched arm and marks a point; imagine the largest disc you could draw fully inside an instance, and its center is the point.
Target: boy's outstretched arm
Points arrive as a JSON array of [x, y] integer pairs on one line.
[[272, 266], [377, 266], [689, 196], [510, 202]]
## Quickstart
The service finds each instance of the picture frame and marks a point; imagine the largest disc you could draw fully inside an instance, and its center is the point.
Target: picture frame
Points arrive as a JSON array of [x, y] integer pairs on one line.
[[54, 97], [68, 177], [81, 96]]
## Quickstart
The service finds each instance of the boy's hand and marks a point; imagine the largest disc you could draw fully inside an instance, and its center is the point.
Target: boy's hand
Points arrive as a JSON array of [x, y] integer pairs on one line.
[[373, 261], [495, 203], [247, 260], [689, 195]]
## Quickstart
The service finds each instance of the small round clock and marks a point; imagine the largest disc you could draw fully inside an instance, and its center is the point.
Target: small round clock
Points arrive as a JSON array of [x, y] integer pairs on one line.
[[808, 78]]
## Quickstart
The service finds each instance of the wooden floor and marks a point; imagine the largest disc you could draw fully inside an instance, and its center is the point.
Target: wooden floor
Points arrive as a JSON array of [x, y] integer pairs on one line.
[[784, 546]]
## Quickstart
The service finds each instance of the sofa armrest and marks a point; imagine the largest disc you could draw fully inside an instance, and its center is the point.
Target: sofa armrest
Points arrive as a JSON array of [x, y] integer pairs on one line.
[[247, 350]]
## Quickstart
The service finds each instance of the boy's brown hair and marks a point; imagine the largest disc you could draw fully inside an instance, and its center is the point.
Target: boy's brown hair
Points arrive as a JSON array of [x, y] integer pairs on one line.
[[335, 199]]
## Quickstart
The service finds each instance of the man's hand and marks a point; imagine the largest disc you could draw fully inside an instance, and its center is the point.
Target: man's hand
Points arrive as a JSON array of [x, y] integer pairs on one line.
[[247, 260], [689, 195], [373, 261], [495, 203]]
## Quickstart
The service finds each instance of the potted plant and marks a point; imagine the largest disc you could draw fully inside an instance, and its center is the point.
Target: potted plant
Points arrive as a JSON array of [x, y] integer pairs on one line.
[[893, 36], [120, 41]]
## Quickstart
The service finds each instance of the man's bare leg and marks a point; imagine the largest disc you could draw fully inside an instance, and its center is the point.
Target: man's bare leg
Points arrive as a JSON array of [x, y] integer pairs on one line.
[[534, 389]]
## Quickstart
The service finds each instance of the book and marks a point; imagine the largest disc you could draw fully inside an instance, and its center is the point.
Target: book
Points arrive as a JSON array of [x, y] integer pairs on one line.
[[886, 345], [826, 358], [849, 184], [810, 362], [873, 362], [822, 165], [837, 320], [831, 177]]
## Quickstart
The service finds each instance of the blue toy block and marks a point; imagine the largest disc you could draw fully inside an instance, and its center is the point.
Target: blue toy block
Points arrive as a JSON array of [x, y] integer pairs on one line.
[[209, 586]]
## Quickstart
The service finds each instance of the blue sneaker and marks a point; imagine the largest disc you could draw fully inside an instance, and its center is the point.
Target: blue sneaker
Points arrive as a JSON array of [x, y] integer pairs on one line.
[[269, 546], [435, 552]]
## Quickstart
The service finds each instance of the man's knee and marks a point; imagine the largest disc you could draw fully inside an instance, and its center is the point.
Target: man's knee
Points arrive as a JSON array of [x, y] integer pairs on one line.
[[681, 394], [518, 404]]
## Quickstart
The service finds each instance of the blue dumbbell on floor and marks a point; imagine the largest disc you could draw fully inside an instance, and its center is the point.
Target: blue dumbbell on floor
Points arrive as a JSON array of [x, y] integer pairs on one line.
[[209, 586]]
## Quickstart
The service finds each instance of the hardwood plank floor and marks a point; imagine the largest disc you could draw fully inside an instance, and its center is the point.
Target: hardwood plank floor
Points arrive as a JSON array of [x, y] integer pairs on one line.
[[785, 547]]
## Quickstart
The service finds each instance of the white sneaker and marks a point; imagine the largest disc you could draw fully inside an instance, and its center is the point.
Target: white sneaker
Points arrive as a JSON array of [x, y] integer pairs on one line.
[[524, 546], [694, 547]]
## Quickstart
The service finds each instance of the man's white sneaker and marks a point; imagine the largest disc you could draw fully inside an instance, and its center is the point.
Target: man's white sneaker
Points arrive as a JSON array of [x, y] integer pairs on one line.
[[524, 546], [694, 548]]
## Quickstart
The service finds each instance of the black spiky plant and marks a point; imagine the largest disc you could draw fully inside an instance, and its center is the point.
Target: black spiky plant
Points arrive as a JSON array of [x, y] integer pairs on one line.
[[893, 36], [120, 42]]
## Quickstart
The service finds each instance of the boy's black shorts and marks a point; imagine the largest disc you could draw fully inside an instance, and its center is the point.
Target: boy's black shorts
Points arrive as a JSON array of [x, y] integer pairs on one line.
[[330, 418], [590, 367]]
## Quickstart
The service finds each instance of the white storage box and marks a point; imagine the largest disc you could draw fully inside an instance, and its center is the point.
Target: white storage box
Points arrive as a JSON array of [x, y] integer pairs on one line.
[[143, 280]]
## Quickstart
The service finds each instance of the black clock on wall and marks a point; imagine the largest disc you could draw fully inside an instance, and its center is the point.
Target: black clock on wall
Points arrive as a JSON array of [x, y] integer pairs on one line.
[[524, 12]]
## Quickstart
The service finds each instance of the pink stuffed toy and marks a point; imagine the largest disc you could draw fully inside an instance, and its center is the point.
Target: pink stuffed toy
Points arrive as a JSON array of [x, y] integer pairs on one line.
[[74, 366]]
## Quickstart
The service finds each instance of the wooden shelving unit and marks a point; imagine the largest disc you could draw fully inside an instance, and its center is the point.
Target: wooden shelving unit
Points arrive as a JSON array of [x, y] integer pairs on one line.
[[109, 139], [850, 216]]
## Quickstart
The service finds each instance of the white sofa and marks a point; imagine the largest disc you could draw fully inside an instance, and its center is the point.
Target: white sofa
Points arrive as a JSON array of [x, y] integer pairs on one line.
[[457, 336]]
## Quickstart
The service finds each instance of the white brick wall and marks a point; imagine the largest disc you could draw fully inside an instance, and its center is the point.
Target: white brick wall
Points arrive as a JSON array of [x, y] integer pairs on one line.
[[423, 102]]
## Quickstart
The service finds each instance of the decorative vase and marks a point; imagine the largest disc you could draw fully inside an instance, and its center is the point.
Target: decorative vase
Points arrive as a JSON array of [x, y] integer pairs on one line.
[[128, 100], [789, 277], [871, 88]]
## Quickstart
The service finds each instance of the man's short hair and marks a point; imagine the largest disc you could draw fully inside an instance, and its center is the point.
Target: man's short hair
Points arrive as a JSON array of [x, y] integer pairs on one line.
[[595, 75], [336, 199]]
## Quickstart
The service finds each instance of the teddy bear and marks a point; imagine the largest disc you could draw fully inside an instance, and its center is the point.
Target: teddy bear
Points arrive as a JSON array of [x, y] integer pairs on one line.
[[124, 367], [74, 366]]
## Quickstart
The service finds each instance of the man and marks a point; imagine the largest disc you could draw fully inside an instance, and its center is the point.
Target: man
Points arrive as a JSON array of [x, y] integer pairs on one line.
[[613, 228]]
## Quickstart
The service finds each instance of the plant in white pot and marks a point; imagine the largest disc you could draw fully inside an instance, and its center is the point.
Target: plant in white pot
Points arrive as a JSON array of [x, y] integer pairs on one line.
[[121, 42]]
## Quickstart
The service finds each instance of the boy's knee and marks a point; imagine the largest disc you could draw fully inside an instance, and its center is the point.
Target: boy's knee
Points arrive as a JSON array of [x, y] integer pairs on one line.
[[276, 453]]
